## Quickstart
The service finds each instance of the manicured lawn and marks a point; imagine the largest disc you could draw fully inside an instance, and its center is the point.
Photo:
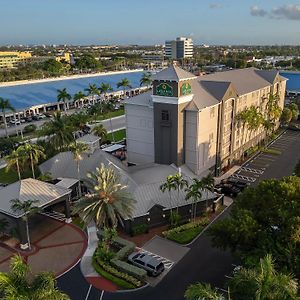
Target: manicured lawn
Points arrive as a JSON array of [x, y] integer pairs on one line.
[[119, 135], [111, 114], [185, 236], [272, 151], [12, 176]]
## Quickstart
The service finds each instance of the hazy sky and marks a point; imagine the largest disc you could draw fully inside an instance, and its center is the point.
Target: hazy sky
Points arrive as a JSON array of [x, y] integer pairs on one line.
[[149, 21]]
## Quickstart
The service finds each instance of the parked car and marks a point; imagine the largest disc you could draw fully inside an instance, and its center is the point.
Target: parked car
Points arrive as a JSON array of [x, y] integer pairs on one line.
[[28, 119], [237, 183], [15, 122], [22, 120], [228, 189], [153, 266]]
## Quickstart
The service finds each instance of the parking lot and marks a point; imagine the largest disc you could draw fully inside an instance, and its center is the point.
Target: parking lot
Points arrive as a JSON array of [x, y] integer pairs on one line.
[[266, 165]]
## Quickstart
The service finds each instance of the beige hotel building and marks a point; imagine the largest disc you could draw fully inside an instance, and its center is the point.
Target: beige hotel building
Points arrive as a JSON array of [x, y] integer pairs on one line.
[[191, 121]]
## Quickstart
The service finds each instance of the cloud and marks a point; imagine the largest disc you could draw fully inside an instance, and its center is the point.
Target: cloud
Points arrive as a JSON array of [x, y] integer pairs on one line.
[[257, 12], [290, 12], [215, 5]]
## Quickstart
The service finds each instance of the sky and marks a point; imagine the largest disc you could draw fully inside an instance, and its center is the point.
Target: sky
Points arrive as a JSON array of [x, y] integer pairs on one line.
[[149, 21]]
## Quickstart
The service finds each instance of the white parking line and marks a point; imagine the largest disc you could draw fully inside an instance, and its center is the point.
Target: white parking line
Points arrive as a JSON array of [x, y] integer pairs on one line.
[[101, 296], [167, 263], [88, 293], [251, 170], [246, 178]]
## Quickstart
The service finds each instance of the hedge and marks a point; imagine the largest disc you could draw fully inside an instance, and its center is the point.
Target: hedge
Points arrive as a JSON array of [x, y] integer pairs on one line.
[[121, 275], [118, 281], [186, 236], [128, 268], [139, 229]]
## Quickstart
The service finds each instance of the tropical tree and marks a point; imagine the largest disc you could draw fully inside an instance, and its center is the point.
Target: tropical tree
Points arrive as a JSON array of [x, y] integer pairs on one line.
[[78, 148], [263, 282], [77, 121], [93, 91], [20, 283], [254, 119], [107, 202], [241, 119], [294, 110], [104, 88], [27, 208], [59, 131], [34, 152], [78, 96], [168, 185], [286, 116], [179, 184], [100, 131], [124, 83], [208, 184], [15, 159], [202, 291], [194, 192], [273, 112], [4, 106], [146, 79], [63, 96]]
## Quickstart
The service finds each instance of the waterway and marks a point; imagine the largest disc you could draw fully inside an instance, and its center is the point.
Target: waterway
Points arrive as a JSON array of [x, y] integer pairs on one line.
[[293, 83], [29, 94]]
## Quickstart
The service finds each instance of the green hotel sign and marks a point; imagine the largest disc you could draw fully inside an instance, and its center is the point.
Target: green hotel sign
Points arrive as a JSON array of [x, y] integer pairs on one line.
[[186, 89], [164, 89]]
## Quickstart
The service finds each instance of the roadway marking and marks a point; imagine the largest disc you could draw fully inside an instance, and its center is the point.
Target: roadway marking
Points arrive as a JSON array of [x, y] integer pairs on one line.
[[251, 170], [88, 293], [246, 178], [101, 296]]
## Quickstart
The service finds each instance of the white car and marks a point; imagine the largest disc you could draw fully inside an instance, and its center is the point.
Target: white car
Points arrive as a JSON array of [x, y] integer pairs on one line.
[[15, 122]]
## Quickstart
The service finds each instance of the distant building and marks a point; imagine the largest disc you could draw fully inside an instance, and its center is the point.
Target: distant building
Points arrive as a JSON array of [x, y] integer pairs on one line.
[[11, 59], [180, 48]]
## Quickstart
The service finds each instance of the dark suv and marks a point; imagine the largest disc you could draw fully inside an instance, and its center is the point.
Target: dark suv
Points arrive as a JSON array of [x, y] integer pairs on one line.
[[152, 265]]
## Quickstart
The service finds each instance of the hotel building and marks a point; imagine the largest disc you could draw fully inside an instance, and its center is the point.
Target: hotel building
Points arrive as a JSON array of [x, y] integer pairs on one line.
[[180, 48], [192, 121]]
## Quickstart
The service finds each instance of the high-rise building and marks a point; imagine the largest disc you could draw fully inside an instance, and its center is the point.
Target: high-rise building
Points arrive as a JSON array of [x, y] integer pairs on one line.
[[180, 48]]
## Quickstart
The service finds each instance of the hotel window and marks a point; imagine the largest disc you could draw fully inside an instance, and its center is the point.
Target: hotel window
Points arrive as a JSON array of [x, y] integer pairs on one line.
[[165, 115]]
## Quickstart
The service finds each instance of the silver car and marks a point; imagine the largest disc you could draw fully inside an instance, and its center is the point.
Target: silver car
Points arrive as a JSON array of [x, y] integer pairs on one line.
[[152, 265]]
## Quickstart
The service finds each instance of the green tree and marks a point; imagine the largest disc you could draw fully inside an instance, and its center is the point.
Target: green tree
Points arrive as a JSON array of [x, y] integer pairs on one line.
[[202, 291], [93, 91], [59, 131], [100, 131], [168, 185], [294, 110], [208, 184], [146, 79], [264, 219], [108, 201], [87, 62], [78, 97], [78, 148], [64, 96], [125, 84], [20, 284], [286, 116], [179, 184], [53, 67], [273, 112], [4, 106], [27, 208], [105, 88], [15, 159], [34, 152]]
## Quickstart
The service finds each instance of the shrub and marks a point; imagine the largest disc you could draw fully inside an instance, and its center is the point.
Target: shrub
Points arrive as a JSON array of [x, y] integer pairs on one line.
[[29, 128], [186, 236], [129, 269], [139, 229], [104, 254], [124, 252], [271, 151], [175, 218]]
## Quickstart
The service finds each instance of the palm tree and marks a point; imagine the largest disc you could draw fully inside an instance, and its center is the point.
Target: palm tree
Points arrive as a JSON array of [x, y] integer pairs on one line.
[[179, 184], [77, 148], [4, 106], [146, 79], [19, 283], [59, 131], [100, 131], [263, 282], [34, 152], [27, 208], [92, 90], [168, 185], [241, 119], [202, 291], [208, 184], [78, 96], [15, 159], [124, 83], [105, 88], [108, 201], [64, 96], [254, 119], [194, 192]]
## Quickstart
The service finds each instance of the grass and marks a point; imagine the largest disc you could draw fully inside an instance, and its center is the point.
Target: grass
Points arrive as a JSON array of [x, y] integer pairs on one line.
[[111, 114], [12, 176], [272, 151], [119, 135], [186, 236]]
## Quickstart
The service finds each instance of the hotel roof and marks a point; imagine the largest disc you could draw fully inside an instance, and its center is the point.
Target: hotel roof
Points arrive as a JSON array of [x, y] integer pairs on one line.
[[173, 73]]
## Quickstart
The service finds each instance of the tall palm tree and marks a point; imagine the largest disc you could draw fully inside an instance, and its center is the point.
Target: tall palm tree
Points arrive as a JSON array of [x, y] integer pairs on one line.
[[34, 152], [194, 192], [263, 282], [108, 201], [100, 131], [124, 83], [4, 106], [78, 96], [168, 185], [179, 184], [15, 159], [27, 208], [93, 91], [78, 148], [146, 79], [19, 283], [201, 291], [208, 184], [104, 88], [64, 96], [59, 131]]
